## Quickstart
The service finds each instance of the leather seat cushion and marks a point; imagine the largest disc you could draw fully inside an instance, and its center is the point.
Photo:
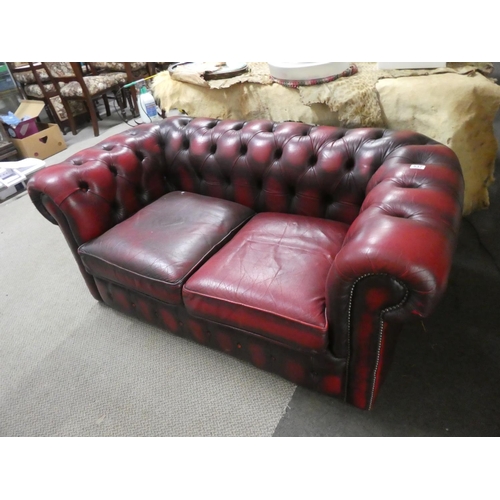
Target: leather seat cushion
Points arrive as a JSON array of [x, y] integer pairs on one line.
[[271, 279], [155, 250]]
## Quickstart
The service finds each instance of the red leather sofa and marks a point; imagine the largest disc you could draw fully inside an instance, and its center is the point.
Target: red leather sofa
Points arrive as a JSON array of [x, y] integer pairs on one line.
[[301, 249]]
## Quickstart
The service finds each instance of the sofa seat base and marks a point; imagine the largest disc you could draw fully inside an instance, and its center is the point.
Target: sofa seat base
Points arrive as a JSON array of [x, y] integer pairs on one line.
[[271, 279], [322, 372], [155, 250]]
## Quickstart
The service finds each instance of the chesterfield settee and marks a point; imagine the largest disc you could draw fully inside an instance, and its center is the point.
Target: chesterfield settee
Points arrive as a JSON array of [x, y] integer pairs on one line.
[[301, 249]]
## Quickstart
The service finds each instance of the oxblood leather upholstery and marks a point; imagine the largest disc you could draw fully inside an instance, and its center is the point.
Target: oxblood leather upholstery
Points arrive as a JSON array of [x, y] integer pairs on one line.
[[271, 279], [398, 194], [155, 250]]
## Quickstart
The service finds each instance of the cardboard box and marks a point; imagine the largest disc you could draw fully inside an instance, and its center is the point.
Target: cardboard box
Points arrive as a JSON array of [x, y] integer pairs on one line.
[[43, 144], [46, 142]]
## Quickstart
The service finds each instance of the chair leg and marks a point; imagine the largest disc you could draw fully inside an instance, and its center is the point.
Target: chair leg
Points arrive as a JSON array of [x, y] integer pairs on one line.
[[96, 109], [119, 95], [52, 118], [135, 108], [93, 117], [71, 120], [106, 105], [126, 96]]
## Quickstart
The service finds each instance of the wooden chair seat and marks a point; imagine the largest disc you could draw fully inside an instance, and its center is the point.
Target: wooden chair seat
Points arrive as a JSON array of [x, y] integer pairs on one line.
[[118, 66], [95, 84], [27, 77]]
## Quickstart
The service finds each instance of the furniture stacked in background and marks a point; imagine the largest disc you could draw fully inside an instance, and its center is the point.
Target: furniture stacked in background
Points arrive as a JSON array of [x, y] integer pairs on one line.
[[70, 89], [301, 249], [73, 86], [33, 82]]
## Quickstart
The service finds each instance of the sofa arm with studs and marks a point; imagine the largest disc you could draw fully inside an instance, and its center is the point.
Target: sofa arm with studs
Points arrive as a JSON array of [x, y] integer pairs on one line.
[[395, 261]]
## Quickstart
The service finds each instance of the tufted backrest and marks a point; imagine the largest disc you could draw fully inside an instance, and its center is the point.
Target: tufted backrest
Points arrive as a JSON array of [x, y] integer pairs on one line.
[[280, 167], [291, 167], [288, 167]]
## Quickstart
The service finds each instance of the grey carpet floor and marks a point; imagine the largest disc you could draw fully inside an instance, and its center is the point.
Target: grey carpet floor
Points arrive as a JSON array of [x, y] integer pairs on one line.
[[70, 366]]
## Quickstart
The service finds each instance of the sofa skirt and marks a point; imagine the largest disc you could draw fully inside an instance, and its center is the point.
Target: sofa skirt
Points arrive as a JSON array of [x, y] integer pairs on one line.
[[318, 371]]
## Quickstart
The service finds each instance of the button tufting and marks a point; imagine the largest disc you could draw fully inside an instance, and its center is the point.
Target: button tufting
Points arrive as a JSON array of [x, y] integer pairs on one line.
[[113, 170], [213, 148], [278, 153], [409, 185], [349, 164], [108, 147], [243, 149], [83, 186], [329, 200]]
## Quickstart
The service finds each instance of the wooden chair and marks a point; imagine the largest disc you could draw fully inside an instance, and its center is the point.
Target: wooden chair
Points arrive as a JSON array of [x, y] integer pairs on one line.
[[33, 83], [72, 85]]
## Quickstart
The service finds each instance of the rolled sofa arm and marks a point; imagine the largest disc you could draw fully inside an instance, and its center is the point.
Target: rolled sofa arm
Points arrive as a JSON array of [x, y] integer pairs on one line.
[[101, 186], [395, 260]]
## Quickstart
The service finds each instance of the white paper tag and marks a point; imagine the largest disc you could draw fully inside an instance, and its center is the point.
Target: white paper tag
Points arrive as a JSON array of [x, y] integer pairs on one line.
[[418, 167]]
